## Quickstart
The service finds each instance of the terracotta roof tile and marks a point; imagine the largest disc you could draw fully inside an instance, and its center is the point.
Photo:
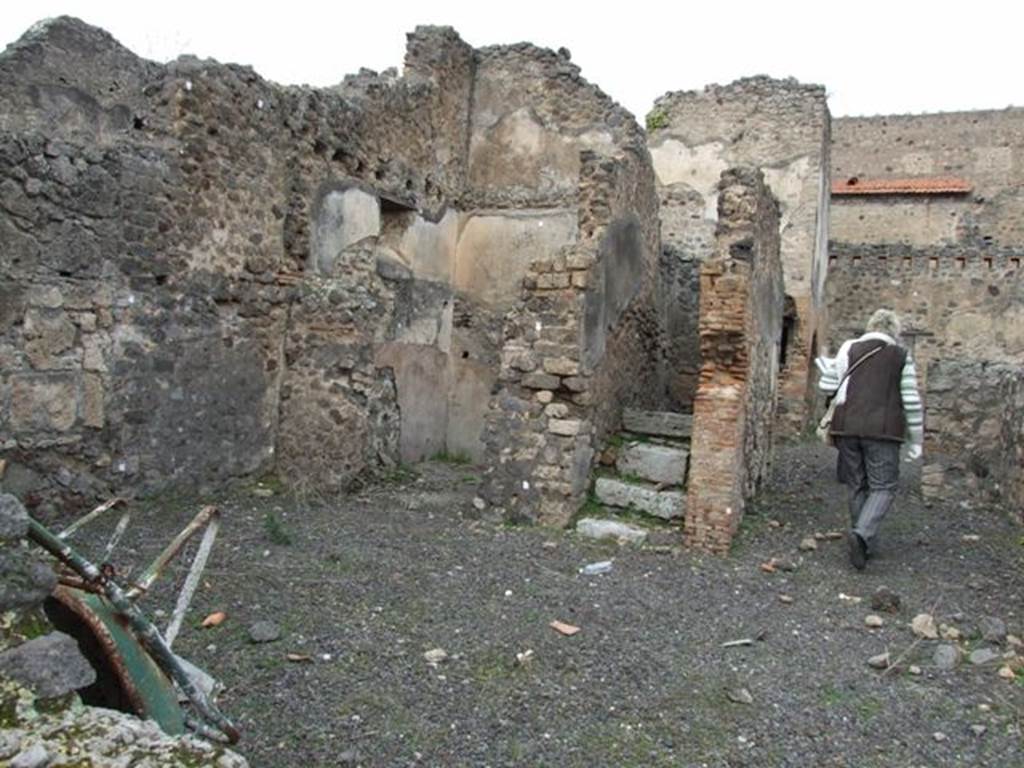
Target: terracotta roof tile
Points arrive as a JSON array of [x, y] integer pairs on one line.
[[932, 186]]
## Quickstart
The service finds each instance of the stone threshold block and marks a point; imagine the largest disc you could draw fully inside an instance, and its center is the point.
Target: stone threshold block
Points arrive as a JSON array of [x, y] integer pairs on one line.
[[661, 464], [668, 505], [658, 423], [624, 533]]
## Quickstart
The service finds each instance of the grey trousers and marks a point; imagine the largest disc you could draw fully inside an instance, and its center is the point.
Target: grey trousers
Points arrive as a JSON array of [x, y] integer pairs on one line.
[[871, 470]]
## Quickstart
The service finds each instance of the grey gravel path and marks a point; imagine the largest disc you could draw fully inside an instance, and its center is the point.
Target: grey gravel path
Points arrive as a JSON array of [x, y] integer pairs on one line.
[[374, 580]]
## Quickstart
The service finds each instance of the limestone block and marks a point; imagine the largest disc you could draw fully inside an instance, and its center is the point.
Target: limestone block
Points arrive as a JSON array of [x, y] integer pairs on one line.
[[50, 665], [48, 296], [557, 410], [668, 505], [43, 402], [520, 359], [13, 518], [565, 427], [93, 409], [93, 358], [658, 423], [50, 333], [592, 528], [561, 366], [540, 381], [25, 580], [657, 463], [554, 280]]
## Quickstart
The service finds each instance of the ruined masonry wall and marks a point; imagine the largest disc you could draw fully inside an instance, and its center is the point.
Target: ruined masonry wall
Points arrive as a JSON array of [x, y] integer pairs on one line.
[[973, 445], [588, 315], [159, 323], [207, 275], [782, 127], [687, 240], [741, 306], [1010, 462], [953, 303]]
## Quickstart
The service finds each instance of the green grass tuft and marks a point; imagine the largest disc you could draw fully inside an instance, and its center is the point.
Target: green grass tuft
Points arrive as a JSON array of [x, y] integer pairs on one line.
[[275, 530]]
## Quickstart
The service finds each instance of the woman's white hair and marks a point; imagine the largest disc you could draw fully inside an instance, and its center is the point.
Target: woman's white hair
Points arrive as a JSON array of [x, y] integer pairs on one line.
[[885, 321]]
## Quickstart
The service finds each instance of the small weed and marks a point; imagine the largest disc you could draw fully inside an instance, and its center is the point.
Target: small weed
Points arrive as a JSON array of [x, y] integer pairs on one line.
[[272, 483], [832, 696], [399, 474], [275, 530], [591, 507], [868, 709], [656, 119], [456, 457], [616, 441]]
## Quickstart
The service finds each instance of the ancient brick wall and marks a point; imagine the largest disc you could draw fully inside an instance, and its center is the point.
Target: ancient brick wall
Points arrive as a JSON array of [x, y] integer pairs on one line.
[[782, 127], [741, 305], [954, 303], [589, 310], [973, 446]]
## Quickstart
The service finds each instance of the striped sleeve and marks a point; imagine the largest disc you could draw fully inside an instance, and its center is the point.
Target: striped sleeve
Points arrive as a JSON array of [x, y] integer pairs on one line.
[[828, 382], [912, 408]]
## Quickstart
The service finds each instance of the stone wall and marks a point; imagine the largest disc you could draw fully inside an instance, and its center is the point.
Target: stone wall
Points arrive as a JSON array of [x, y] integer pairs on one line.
[[168, 309], [590, 309], [973, 445], [781, 127], [741, 313], [1010, 461], [209, 276], [687, 240], [206, 275], [954, 303]]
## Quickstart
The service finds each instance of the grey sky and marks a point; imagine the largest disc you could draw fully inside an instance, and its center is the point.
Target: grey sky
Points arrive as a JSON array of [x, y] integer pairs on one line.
[[874, 57]]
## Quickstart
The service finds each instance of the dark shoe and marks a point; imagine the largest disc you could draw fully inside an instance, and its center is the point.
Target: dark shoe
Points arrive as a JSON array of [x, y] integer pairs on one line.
[[858, 550]]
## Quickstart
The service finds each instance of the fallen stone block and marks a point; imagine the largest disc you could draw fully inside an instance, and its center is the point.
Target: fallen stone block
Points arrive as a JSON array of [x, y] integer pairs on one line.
[[593, 528], [50, 665]]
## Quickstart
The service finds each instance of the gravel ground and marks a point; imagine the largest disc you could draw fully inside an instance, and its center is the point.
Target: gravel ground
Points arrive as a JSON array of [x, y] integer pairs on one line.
[[372, 581]]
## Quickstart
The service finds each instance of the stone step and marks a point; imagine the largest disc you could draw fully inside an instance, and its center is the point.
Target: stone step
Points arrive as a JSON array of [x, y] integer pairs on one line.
[[658, 423], [668, 505], [624, 533], [661, 464]]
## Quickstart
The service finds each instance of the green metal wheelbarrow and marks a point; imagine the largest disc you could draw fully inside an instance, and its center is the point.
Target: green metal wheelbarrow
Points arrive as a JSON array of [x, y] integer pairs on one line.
[[136, 669]]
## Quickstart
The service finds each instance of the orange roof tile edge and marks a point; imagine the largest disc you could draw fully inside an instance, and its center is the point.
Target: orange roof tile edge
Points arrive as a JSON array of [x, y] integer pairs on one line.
[[935, 186]]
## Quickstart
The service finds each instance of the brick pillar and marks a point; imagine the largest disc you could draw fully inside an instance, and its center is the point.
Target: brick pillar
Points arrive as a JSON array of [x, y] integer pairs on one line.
[[741, 299]]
